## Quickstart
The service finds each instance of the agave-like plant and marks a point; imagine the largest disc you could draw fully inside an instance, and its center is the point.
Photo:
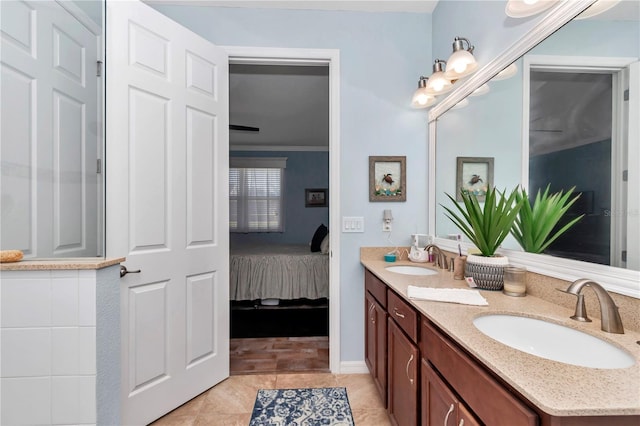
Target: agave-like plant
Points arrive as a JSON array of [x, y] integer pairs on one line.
[[535, 223], [486, 226]]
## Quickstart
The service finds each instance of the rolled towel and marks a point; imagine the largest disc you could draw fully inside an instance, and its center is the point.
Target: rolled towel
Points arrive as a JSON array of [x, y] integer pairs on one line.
[[8, 256], [451, 295]]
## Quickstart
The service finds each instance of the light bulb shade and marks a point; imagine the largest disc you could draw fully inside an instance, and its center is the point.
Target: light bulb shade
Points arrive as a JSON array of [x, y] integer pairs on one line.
[[461, 63], [524, 8], [508, 72], [480, 90], [463, 103], [438, 83], [422, 99], [597, 8]]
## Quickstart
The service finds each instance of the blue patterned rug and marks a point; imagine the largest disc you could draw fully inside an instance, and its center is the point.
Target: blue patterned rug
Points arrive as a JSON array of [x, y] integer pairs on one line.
[[302, 407]]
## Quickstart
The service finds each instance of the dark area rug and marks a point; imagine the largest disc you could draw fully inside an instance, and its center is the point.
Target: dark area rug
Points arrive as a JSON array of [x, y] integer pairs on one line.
[[298, 318], [316, 406]]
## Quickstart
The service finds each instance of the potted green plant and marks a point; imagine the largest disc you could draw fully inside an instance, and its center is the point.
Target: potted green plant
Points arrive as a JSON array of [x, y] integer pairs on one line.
[[486, 227], [536, 225]]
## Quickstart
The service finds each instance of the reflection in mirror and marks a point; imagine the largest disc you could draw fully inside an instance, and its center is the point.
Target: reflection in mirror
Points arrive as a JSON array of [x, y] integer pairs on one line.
[[574, 130], [51, 124]]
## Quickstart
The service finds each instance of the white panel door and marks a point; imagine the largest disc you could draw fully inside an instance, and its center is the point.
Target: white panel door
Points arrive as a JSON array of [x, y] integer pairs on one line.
[[49, 131], [633, 176], [167, 207]]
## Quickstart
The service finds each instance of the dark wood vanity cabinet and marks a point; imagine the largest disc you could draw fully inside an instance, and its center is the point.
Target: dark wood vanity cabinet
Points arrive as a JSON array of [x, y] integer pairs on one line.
[[376, 332], [404, 362], [440, 406]]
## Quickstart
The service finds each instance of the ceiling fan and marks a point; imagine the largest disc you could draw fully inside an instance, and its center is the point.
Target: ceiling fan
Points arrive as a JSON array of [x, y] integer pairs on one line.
[[243, 128]]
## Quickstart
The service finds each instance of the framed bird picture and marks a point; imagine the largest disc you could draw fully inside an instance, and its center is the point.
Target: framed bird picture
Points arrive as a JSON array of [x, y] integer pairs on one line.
[[387, 178], [474, 176]]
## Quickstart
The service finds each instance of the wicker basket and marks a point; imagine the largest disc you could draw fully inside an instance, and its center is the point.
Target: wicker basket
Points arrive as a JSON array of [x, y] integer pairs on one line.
[[487, 272]]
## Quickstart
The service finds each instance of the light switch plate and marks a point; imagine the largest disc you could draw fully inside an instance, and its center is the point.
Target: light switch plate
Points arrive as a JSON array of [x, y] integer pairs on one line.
[[352, 224]]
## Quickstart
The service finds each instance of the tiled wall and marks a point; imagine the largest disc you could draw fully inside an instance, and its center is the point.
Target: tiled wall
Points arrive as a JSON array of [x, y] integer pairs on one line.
[[48, 347]]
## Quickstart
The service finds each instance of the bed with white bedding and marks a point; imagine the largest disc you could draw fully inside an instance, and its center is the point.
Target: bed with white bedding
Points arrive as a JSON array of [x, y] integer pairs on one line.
[[278, 272]]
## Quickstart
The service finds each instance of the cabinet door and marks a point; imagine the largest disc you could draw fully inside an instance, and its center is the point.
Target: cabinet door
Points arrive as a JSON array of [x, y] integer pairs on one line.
[[403, 357], [376, 344], [439, 404], [465, 418]]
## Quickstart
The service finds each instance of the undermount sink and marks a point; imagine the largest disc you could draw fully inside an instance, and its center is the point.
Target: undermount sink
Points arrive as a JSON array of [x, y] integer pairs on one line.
[[410, 270], [553, 341]]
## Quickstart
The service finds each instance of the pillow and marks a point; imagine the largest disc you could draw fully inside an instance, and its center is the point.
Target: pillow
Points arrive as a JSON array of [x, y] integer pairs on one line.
[[324, 245], [318, 236]]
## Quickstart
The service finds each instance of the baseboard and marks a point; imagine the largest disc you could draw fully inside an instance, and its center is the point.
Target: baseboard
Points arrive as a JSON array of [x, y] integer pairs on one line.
[[353, 367]]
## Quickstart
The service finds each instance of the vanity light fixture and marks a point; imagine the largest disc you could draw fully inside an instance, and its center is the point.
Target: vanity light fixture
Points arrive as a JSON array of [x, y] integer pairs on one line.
[[597, 8], [461, 63], [480, 90], [422, 99], [508, 72], [524, 8], [463, 103], [438, 83]]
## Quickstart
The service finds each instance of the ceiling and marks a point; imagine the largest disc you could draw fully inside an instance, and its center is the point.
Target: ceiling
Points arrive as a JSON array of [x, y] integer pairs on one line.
[[289, 104]]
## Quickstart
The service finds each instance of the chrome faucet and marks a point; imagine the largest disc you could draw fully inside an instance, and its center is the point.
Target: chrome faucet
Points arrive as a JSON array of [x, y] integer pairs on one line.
[[441, 258], [609, 315]]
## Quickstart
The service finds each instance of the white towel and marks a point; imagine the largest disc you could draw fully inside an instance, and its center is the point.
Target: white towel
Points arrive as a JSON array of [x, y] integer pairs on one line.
[[451, 295]]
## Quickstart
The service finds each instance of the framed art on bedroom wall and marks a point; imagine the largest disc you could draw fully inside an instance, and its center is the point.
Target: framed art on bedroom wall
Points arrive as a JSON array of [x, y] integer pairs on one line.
[[316, 197]]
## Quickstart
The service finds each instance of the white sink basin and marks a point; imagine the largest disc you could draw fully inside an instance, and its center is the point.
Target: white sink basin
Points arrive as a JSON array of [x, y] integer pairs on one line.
[[553, 341], [410, 270]]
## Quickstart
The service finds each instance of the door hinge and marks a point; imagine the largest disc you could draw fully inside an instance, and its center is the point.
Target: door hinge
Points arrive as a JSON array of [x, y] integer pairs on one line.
[[626, 95], [625, 175], [98, 68], [99, 166], [623, 256]]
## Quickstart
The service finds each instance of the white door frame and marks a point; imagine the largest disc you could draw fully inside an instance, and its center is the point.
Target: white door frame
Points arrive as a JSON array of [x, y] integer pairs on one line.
[[615, 66], [309, 57]]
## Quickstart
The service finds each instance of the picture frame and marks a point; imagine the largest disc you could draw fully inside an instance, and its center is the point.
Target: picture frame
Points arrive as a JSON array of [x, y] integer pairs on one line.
[[474, 175], [387, 178], [316, 197]]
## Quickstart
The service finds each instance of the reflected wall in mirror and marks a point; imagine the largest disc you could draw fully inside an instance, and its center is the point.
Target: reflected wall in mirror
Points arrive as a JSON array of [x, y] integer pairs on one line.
[[51, 141], [523, 120]]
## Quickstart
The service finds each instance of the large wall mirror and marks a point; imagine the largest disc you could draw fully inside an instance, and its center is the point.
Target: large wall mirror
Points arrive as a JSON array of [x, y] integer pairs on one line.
[[567, 117], [52, 128]]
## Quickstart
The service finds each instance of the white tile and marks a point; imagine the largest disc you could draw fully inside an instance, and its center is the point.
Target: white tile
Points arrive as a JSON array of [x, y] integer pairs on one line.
[[64, 302], [87, 350], [87, 302], [64, 351], [26, 303], [25, 352], [73, 400], [26, 401], [64, 273], [87, 411]]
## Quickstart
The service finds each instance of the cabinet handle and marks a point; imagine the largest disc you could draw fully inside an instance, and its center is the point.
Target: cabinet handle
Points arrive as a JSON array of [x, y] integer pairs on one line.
[[398, 314], [446, 419], [407, 370], [371, 317], [461, 422]]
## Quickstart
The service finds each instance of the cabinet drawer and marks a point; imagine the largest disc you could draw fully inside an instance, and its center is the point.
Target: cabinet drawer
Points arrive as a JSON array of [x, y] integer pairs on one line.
[[377, 288], [485, 396], [403, 314]]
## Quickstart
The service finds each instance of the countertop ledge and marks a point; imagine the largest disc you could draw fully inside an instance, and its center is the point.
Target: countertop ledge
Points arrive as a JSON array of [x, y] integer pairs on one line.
[[62, 264], [556, 388]]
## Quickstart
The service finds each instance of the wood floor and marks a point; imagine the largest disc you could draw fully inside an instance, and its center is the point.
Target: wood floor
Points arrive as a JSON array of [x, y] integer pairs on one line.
[[271, 355]]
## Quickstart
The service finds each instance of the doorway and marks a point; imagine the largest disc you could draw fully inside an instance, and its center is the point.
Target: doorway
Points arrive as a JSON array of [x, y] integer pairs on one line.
[[246, 133]]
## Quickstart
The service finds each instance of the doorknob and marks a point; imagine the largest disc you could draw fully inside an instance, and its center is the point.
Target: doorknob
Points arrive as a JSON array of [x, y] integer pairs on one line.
[[124, 271]]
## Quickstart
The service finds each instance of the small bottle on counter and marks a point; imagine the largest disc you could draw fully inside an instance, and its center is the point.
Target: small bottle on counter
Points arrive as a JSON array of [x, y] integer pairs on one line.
[[458, 267], [515, 281]]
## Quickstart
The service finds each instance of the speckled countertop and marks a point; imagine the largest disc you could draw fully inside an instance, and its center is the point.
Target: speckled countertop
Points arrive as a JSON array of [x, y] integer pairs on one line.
[[61, 264], [556, 388]]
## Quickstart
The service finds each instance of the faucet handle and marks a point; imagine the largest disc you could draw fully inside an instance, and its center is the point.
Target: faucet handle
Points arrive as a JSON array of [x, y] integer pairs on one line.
[[581, 310]]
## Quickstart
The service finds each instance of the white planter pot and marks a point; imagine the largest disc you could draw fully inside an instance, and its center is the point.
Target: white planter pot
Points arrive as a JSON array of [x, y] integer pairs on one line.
[[487, 272]]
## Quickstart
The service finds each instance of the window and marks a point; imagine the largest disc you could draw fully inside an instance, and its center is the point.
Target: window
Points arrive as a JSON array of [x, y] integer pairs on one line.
[[255, 194]]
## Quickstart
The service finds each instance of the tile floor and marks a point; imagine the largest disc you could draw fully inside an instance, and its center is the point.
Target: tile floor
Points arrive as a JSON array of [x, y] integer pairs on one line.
[[276, 355], [230, 403]]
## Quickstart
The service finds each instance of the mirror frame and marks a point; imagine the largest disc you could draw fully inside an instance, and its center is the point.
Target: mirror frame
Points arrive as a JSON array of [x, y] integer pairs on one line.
[[618, 280]]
